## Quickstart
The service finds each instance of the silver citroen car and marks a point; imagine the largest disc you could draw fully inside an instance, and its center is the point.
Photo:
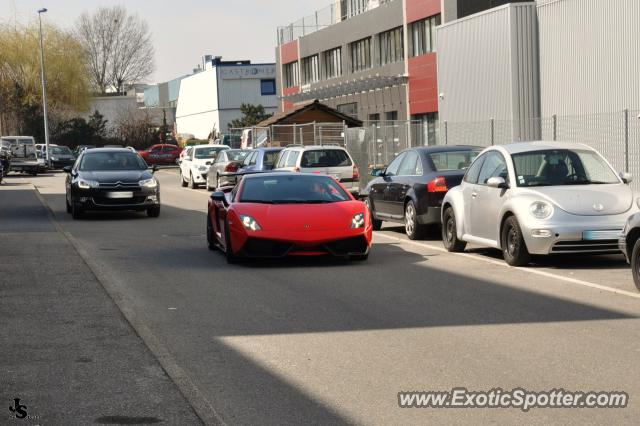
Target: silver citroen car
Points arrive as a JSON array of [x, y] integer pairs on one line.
[[538, 198]]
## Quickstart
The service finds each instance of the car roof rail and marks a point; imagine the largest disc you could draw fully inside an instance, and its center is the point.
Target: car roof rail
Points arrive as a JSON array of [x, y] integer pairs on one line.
[[291, 145]]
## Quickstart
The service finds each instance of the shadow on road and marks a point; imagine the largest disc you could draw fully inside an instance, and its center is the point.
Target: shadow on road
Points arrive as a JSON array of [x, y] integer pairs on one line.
[[395, 289]]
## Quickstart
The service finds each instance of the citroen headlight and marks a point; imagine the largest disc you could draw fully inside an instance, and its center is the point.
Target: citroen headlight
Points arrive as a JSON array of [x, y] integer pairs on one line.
[[541, 210], [357, 221], [203, 168], [149, 183], [87, 184], [250, 223]]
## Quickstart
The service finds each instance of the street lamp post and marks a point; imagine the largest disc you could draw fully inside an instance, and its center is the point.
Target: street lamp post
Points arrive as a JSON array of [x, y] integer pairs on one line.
[[44, 90]]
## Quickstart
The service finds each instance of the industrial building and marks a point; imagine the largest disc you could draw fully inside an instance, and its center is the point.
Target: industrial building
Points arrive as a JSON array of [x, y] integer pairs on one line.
[[210, 99], [372, 59]]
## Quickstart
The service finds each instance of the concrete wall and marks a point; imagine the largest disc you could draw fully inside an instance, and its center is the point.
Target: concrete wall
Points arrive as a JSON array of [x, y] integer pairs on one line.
[[487, 66], [112, 108], [589, 56]]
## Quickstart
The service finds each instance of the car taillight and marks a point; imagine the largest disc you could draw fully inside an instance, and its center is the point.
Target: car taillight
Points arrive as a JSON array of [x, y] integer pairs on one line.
[[232, 167], [356, 174], [439, 184]]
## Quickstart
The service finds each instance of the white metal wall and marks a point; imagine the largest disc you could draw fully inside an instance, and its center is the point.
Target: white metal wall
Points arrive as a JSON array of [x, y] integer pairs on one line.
[[487, 65], [198, 104], [589, 56]]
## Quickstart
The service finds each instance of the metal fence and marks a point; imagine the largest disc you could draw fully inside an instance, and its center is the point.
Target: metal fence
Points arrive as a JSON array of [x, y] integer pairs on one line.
[[615, 135]]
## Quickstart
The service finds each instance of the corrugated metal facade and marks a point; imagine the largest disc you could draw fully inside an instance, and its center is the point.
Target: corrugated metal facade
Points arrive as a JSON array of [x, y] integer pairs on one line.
[[487, 66], [589, 56]]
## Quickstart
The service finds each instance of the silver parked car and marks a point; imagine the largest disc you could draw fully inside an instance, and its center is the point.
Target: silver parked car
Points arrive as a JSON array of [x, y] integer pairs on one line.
[[538, 198], [227, 161]]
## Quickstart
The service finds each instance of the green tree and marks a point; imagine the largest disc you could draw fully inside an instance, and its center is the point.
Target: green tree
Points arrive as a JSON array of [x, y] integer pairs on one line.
[[20, 91], [98, 126], [251, 115]]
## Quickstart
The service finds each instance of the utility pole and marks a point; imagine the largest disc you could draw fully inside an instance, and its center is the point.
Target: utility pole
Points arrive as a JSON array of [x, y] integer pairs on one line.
[[44, 90]]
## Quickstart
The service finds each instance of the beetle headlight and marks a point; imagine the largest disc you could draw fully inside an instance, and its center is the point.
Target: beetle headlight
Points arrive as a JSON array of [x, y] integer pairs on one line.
[[357, 221], [87, 184], [250, 223], [541, 210], [149, 183]]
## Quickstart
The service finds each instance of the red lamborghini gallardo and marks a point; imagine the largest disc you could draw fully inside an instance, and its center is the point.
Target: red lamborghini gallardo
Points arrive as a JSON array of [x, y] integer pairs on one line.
[[288, 214]]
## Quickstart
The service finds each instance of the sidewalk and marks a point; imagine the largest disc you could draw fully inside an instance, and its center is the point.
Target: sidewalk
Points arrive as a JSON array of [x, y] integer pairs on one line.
[[66, 350]]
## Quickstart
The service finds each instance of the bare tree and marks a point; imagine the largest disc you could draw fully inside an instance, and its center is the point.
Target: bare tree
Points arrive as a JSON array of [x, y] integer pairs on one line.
[[118, 46]]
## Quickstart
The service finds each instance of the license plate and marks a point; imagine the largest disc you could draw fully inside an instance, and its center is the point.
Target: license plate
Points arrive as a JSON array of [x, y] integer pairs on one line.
[[120, 195], [613, 234]]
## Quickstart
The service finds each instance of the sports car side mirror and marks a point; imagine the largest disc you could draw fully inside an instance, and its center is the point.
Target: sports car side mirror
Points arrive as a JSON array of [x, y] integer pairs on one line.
[[626, 177], [497, 182], [220, 196], [377, 172]]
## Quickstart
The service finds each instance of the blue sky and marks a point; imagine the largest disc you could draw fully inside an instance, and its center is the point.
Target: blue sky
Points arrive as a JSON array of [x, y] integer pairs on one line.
[[184, 30]]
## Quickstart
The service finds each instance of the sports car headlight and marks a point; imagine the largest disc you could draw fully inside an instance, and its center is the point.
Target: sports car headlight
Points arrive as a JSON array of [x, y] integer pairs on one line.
[[250, 223], [541, 210], [357, 221], [149, 183], [87, 184], [203, 168]]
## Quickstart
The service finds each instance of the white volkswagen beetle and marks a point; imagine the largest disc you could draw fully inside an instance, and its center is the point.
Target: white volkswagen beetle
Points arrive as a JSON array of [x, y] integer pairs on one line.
[[538, 198]]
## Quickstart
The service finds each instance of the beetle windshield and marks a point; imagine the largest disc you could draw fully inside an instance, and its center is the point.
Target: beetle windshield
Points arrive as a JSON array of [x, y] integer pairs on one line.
[[562, 167]]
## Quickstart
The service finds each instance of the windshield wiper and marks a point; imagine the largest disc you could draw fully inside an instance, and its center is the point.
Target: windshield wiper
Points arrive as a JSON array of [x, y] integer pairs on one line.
[[585, 182], [301, 201], [258, 201]]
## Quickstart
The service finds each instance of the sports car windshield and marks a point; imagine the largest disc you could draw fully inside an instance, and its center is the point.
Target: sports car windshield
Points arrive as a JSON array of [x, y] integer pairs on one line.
[[294, 189], [105, 161], [562, 167]]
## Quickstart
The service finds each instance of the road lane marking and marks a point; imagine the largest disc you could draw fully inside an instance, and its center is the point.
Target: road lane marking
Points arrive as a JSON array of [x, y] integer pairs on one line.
[[505, 265]]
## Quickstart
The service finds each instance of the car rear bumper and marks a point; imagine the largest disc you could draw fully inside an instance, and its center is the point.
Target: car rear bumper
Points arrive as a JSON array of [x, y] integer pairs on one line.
[[431, 217]]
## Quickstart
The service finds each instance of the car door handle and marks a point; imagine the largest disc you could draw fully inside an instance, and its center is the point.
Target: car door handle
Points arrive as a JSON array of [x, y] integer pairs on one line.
[[474, 194]]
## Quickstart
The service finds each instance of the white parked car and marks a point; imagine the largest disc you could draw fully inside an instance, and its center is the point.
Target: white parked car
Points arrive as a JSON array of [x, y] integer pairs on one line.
[[538, 198], [333, 161], [195, 164]]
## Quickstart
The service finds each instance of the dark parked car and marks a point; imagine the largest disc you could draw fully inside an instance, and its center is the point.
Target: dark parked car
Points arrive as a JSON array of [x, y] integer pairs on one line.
[[410, 190], [61, 156], [630, 245], [111, 179]]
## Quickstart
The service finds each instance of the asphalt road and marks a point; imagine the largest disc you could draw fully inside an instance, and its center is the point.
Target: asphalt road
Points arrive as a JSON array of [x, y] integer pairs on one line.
[[326, 342]]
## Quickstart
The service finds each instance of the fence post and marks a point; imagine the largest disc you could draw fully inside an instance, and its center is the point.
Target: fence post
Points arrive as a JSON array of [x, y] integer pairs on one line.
[[294, 135], [555, 127], [344, 133], [301, 136], [626, 140], [446, 133], [320, 135], [492, 131]]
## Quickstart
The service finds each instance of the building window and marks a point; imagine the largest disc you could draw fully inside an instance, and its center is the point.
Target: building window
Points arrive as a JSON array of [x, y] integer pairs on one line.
[[310, 70], [423, 36], [349, 109], [268, 87], [333, 63], [391, 115], [291, 74], [361, 55], [391, 46], [429, 128], [374, 117]]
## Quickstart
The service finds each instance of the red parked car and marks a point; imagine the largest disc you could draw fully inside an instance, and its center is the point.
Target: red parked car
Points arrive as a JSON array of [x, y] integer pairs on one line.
[[288, 214], [161, 154]]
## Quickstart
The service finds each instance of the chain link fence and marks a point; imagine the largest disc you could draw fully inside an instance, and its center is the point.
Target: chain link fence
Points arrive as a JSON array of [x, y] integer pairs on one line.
[[615, 135]]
